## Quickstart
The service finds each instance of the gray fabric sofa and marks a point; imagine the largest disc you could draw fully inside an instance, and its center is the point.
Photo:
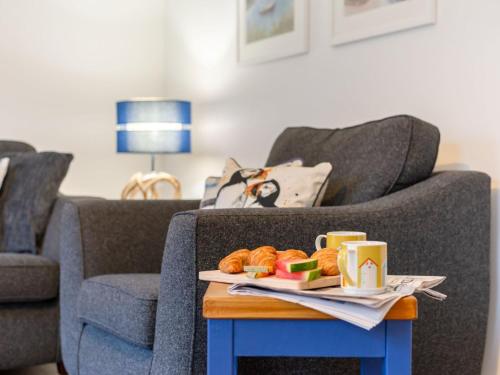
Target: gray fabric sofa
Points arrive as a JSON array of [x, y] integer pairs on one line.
[[119, 315], [29, 289]]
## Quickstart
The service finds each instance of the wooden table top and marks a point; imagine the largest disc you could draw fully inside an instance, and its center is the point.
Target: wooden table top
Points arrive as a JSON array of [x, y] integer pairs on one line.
[[218, 304]]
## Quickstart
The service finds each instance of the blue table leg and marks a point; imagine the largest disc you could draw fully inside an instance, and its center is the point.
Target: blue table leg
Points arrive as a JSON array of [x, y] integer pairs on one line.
[[398, 347], [394, 360], [372, 366], [221, 359]]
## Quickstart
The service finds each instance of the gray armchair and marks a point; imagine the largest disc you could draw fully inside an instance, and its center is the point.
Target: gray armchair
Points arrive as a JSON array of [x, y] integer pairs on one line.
[[120, 316], [102, 238]]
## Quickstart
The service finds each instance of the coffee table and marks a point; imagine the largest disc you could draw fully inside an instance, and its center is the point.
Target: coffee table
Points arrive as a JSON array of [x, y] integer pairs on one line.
[[247, 326]]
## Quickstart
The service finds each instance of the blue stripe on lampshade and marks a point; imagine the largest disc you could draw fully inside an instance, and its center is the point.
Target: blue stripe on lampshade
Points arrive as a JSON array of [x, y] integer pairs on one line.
[[160, 110], [153, 126], [154, 142]]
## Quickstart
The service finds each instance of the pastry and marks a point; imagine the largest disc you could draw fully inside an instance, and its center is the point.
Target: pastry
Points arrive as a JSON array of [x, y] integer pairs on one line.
[[268, 261], [242, 254], [263, 256], [292, 254], [258, 253], [237, 260], [327, 261], [267, 249], [234, 262]]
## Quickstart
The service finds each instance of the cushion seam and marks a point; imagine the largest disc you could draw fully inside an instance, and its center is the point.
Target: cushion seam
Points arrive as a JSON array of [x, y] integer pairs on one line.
[[120, 290], [114, 332], [401, 170]]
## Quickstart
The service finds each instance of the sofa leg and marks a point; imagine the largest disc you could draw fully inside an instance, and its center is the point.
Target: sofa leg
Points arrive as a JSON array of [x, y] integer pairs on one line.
[[61, 370]]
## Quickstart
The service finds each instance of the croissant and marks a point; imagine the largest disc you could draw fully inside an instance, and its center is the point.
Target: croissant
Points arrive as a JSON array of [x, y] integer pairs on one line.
[[263, 256], [242, 254], [327, 261], [234, 262], [292, 254], [267, 249], [269, 261], [259, 252]]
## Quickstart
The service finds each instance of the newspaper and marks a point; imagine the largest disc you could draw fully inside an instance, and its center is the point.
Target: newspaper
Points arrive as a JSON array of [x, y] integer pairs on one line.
[[363, 311]]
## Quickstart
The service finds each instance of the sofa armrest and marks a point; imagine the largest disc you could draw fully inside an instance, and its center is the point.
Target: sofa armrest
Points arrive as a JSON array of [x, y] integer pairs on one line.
[[113, 236], [431, 228], [107, 236], [51, 240]]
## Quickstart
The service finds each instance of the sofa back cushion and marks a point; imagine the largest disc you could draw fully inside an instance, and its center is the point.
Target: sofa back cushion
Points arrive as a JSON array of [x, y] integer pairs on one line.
[[14, 146], [27, 196], [369, 160]]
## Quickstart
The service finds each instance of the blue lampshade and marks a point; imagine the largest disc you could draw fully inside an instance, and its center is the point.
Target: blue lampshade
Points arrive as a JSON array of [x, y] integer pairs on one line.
[[153, 126]]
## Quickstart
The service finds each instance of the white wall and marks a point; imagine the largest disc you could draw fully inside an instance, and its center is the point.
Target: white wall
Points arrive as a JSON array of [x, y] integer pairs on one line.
[[64, 63]]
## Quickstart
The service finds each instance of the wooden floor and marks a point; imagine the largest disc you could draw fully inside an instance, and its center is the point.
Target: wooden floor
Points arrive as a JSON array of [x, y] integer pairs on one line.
[[38, 370]]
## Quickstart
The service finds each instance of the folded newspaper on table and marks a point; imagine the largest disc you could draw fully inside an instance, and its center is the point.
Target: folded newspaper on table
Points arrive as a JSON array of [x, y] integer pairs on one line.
[[363, 311]]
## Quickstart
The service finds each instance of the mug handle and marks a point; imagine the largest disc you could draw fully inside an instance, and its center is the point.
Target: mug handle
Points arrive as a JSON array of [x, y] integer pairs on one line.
[[342, 258], [318, 241]]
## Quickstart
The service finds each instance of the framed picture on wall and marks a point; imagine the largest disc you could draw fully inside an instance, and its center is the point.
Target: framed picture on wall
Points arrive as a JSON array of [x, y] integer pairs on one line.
[[360, 19], [271, 29]]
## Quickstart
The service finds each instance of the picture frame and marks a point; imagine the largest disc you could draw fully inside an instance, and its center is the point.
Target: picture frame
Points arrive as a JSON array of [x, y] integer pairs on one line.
[[272, 29], [355, 20]]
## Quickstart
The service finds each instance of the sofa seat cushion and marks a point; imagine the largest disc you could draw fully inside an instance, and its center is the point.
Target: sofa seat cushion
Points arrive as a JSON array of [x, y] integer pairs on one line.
[[27, 278], [369, 160], [124, 305]]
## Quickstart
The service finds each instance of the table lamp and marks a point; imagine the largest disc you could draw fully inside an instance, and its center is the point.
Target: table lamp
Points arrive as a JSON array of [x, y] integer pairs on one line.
[[152, 126]]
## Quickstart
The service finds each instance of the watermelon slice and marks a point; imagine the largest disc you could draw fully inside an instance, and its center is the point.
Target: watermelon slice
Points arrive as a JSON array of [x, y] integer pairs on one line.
[[297, 265], [301, 276]]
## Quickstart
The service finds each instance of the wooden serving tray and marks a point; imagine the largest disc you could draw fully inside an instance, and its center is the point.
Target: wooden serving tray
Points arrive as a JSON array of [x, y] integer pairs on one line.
[[270, 281]]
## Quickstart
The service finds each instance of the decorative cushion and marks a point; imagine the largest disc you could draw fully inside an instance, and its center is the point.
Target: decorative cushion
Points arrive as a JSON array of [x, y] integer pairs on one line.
[[211, 189], [285, 185], [213, 184], [27, 278], [4, 164], [28, 193], [124, 305], [371, 160]]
